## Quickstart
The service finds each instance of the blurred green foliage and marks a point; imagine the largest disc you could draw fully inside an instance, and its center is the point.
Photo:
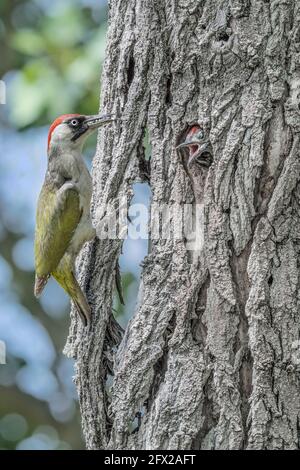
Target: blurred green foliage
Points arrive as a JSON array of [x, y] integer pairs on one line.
[[51, 56], [53, 52]]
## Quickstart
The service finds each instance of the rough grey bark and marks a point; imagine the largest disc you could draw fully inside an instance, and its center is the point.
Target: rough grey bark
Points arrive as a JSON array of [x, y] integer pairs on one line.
[[210, 358]]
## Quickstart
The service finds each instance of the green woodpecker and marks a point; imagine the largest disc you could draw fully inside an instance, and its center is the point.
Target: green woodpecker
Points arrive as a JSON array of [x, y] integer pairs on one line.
[[63, 222]]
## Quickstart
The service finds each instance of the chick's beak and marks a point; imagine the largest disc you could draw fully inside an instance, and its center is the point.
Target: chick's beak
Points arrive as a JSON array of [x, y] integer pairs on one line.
[[202, 155], [93, 122], [183, 145]]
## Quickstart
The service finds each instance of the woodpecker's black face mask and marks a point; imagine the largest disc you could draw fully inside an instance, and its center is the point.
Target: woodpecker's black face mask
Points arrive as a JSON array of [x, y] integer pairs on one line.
[[78, 127], [81, 124], [78, 133]]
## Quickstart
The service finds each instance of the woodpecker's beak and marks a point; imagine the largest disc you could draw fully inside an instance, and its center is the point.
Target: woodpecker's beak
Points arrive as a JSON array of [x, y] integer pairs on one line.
[[93, 122], [182, 146], [201, 154]]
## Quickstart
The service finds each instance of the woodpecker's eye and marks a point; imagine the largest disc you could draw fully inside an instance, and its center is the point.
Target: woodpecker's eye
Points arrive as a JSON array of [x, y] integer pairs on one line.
[[74, 122], [200, 134]]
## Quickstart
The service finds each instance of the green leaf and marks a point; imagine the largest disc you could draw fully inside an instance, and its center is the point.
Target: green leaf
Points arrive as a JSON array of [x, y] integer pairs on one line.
[[28, 42]]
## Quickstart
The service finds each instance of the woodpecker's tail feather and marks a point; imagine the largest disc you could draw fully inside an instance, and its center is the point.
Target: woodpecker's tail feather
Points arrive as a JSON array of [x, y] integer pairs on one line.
[[79, 299], [82, 306], [39, 284], [65, 277], [84, 312]]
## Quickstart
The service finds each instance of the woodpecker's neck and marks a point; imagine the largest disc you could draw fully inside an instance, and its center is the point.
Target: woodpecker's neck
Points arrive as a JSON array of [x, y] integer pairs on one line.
[[66, 162]]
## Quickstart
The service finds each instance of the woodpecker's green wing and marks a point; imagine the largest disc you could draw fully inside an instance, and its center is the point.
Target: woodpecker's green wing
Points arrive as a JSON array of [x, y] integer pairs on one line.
[[58, 214]]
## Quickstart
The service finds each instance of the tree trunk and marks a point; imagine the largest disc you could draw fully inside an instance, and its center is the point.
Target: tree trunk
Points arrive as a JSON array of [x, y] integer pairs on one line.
[[210, 357]]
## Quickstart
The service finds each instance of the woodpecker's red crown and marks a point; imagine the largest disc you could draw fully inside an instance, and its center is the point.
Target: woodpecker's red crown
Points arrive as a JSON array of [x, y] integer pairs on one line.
[[193, 130], [56, 123], [76, 127]]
